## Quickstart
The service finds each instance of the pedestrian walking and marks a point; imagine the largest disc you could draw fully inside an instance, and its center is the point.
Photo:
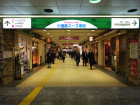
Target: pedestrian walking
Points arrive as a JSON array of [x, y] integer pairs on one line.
[[77, 58], [84, 57], [49, 58], [63, 56], [91, 58]]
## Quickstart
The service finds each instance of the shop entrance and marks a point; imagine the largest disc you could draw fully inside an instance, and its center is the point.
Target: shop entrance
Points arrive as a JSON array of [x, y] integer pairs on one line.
[[107, 54]]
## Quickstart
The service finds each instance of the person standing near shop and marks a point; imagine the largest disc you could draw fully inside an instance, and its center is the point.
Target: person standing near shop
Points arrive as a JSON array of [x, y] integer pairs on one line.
[[49, 58], [77, 58], [91, 58], [84, 57], [72, 55], [63, 56]]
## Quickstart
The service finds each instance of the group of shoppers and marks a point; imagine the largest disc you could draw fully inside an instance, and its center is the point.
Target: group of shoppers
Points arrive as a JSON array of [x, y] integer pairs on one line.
[[85, 57], [74, 54]]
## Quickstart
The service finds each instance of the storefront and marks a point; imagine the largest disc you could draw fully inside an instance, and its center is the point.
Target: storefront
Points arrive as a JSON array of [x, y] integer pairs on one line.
[[22, 56], [34, 52]]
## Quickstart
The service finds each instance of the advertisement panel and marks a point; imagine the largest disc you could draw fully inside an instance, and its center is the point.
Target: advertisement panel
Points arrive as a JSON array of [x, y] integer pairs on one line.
[[67, 44], [133, 68], [134, 48], [68, 37]]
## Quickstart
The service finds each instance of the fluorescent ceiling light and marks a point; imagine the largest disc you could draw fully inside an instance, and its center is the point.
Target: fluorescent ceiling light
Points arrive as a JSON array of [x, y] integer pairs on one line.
[[48, 33], [68, 33], [92, 30], [94, 1], [51, 36], [68, 30], [44, 30]]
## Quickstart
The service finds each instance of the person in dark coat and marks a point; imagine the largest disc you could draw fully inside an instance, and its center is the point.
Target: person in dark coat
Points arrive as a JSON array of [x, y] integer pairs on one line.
[[77, 57], [72, 55], [84, 57], [91, 58], [49, 59], [63, 56], [59, 54], [53, 56]]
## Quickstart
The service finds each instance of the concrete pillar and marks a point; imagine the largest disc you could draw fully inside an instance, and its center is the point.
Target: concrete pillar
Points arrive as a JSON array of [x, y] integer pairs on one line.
[[30, 46], [100, 52]]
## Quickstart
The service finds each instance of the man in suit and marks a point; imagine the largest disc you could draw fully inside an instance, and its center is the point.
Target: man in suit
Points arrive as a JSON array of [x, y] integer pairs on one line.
[[49, 58], [91, 58], [84, 57], [77, 57]]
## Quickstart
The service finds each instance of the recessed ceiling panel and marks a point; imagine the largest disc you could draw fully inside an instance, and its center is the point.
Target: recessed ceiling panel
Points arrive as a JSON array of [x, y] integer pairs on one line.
[[69, 2], [118, 2], [19, 2], [41, 10], [27, 10], [135, 3], [69, 10], [39, 3], [8, 10], [3, 4], [90, 10], [111, 10]]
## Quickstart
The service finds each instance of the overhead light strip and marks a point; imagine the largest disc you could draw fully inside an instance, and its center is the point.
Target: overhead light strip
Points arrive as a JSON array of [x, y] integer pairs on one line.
[[83, 16]]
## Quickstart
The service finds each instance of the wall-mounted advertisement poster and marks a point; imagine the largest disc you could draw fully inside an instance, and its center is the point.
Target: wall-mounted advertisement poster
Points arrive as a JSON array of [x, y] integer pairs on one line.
[[134, 48], [133, 68]]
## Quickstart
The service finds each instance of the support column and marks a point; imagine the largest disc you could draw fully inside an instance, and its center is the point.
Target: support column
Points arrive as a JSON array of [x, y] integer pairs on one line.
[[101, 53]]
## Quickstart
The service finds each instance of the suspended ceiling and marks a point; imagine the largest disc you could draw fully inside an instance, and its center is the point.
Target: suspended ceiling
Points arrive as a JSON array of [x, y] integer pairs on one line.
[[68, 7]]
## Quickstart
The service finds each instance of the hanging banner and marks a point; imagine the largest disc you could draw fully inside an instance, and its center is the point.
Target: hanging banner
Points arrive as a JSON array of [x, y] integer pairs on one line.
[[70, 23], [67, 44], [134, 48], [68, 37], [133, 68]]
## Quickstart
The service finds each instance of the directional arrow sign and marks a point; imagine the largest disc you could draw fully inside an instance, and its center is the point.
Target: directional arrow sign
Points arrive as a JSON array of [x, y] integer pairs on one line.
[[134, 23], [125, 23], [7, 22]]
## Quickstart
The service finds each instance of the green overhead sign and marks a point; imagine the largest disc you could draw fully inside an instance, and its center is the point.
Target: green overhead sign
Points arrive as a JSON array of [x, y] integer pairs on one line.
[[71, 23]]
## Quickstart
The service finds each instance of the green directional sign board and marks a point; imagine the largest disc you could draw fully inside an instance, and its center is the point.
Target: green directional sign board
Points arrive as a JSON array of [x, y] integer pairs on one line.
[[71, 23]]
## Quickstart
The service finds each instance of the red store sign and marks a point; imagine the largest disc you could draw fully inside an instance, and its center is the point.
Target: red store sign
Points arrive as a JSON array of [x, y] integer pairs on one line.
[[133, 68]]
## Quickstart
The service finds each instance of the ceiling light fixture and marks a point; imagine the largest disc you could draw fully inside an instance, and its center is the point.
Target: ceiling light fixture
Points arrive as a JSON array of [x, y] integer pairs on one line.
[[51, 36], [92, 30], [48, 10], [44, 30], [68, 30], [68, 33], [118, 32], [94, 1], [132, 10], [48, 33]]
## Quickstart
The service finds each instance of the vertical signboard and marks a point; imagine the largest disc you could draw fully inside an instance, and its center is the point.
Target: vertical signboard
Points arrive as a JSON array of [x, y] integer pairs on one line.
[[134, 48], [133, 68]]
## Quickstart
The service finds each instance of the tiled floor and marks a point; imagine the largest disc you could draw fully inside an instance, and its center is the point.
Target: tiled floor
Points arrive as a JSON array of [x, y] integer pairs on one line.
[[71, 85], [67, 74]]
